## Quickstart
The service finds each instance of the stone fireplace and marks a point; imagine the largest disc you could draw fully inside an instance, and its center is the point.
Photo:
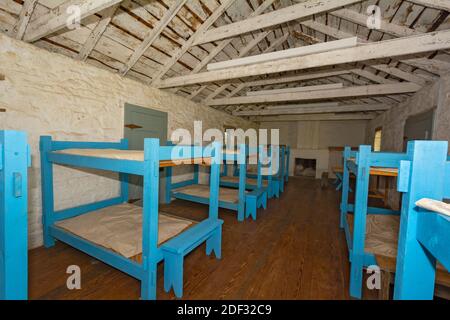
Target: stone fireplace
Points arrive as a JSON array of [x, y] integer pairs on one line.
[[305, 167]]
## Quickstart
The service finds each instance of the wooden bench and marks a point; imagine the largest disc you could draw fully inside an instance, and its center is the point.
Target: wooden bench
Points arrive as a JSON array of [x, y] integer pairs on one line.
[[177, 248], [253, 200]]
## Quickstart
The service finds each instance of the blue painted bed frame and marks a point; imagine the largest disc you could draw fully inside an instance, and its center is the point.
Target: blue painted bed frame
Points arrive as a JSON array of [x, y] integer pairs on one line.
[[364, 160], [286, 170], [258, 191], [424, 236], [15, 158], [146, 271], [239, 206], [248, 186], [275, 182]]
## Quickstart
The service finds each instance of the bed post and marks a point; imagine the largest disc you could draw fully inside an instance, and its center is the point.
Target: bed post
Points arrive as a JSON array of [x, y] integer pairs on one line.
[[270, 171], [359, 224], [123, 176], [241, 159], [288, 155], [196, 173], [169, 173], [345, 185], [215, 181], [415, 273], [48, 205], [14, 160], [282, 165], [214, 243], [259, 155], [150, 218]]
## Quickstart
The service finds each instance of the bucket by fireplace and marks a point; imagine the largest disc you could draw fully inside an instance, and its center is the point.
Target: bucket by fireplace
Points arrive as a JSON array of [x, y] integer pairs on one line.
[[305, 167]]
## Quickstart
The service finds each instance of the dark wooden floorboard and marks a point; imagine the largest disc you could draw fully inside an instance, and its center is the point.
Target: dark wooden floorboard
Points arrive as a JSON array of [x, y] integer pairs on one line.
[[295, 250]]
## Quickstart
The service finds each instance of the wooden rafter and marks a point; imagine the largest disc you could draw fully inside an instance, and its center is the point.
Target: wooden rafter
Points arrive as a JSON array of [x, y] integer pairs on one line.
[[377, 50], [24, 18], [315, 110], [153, 35], [273, 18], [58, 18], [97, 32], [188, 44], [347, 92]]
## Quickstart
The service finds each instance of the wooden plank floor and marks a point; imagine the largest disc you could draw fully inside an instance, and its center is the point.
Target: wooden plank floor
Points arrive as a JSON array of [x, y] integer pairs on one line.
[[295, 250]]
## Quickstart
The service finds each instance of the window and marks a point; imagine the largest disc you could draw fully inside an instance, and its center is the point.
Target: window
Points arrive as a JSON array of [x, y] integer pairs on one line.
[[377, 140]]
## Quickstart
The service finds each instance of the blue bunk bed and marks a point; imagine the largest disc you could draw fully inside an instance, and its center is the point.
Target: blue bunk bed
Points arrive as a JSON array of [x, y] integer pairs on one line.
[[152, 235], [424, 236], [371, 232], [356, 218], [273, 180], [232, 199], [15, 159], [258, 189]]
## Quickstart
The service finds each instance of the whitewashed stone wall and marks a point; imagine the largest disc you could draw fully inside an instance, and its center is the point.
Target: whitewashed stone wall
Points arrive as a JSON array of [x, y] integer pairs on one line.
[[49, 94], [435, 95]]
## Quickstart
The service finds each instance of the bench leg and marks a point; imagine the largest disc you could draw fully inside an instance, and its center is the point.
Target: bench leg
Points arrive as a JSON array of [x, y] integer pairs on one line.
[[173, 273], [250, 207], [214, 243], [264, 200], [277, 189], [148, 283]]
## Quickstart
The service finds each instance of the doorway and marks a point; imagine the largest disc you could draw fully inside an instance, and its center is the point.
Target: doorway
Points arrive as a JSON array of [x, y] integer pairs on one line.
[[418, 127], [141, 123]]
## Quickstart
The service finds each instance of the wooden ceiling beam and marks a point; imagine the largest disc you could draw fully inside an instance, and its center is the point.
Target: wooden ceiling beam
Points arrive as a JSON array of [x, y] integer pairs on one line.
[[97, 32], [58, 18], [188, 43], [376, 50], [314, 117], [274, 18], [153, 34], [347, 92], [24, 18], [436, 4], [315, 110]]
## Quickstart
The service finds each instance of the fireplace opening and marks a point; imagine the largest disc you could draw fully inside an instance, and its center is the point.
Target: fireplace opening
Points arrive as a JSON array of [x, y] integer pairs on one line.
[[305, 167]]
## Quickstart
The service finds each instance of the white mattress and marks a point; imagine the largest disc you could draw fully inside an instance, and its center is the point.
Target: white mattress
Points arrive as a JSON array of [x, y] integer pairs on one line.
[[119, 228], [434, 205]]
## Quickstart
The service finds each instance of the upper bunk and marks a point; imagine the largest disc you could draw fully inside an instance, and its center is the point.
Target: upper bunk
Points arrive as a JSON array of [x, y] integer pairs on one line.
[[115, 156]]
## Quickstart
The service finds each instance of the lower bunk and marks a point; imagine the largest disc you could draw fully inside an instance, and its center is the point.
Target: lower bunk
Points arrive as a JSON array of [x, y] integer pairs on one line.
[[381, 243], [130, 238]]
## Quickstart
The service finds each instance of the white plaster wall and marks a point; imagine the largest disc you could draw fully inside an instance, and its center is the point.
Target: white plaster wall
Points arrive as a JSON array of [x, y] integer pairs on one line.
[[49, 94], [311, 139], [435, 95]]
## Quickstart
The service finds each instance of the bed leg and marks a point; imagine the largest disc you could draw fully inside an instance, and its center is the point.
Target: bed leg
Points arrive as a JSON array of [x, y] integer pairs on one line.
[[214, 243], [356, 277], [148, 283], [49, 241]]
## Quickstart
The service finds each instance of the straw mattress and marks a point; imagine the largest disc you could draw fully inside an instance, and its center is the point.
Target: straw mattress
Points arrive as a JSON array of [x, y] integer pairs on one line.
[[119, 228]]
